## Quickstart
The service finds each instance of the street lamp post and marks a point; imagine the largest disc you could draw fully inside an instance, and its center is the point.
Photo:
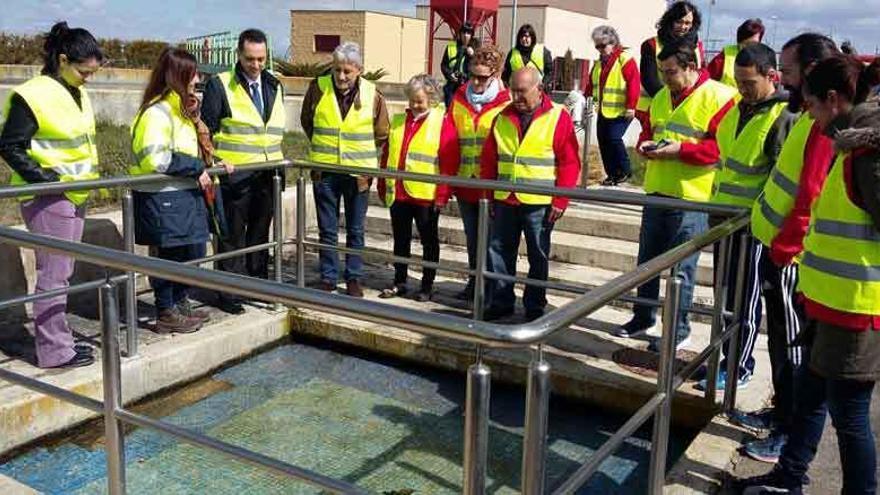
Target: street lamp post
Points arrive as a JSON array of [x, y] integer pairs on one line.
[[513, 26], [775, 25]]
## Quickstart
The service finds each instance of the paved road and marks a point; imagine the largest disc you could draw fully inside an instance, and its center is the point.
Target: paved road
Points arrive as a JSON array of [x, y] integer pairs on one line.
[[825, 474]]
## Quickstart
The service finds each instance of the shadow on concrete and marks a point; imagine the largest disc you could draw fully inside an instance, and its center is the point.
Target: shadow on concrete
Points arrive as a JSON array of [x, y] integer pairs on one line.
[[99, 232]]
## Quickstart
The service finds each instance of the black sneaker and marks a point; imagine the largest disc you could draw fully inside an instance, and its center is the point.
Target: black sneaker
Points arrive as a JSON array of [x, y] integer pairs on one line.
[[772, 482], [609, 182], [622, 179], [77, 361]]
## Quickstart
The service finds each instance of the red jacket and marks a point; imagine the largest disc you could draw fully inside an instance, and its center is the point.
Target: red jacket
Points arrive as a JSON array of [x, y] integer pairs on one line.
[[630, 75], [817, 311], [705, 152], [565, 147], [448, 155], [818, 158], [716, 66], [472, 195]]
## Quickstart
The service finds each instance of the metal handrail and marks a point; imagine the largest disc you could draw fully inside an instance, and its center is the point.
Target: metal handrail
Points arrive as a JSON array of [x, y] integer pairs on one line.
[[458, 328]]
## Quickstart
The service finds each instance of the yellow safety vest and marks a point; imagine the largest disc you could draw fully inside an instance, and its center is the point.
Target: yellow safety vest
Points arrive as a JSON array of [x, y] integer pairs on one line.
[[611, 98], [158, 132], [422, 156], [530, 161], [452, 56], [244, 138], [644, 98], [65, 137], [687, 123], [841, 264], [472, 132], [780, 191], [517, 62], [744, 166], [730, 53], [347, 142]]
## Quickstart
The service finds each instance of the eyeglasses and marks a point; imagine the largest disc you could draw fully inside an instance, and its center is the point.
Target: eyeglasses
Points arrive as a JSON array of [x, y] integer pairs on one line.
[[480, 79]]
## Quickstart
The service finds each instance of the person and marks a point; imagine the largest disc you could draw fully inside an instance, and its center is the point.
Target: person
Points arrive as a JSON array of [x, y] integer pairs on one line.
[[680, 24], [473, 110], [422, 140], [345, 118], [838, 279], [171, 217], [750, 138], [48, 135], [681, 148], [529, 53], [721, 67], [244, 110], [532, 142], [614, 84], [780, 219], [456, 61]]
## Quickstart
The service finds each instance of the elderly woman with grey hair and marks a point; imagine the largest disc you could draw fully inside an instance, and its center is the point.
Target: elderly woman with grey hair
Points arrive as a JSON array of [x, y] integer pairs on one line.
[[423, 140], [346, 121], [614, 85]]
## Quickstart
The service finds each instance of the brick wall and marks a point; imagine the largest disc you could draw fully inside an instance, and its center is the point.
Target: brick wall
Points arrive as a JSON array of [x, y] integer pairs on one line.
[[304, 25]]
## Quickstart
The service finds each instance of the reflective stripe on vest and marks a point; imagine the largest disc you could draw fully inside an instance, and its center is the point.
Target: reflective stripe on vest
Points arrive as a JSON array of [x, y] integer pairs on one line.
[[744, 166], [777, 199], [727, 76], [530, 161], [841, 264], [65, 138], [347, 142], [452, 56], [644, 98], [517, 63], [157, 133], [687, 123], [611, 97], [472, 131], [244, 137], [421, 155]]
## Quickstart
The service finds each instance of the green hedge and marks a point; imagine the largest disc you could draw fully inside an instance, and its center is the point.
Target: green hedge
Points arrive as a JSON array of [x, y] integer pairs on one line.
[[18, 49]]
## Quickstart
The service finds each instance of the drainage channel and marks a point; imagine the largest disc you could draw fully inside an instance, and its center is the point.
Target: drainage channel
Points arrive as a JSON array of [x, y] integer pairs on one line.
[[389, 426]]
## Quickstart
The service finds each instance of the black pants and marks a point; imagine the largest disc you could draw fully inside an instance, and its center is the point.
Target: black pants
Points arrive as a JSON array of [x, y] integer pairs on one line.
[[426, 218], [249, 209]]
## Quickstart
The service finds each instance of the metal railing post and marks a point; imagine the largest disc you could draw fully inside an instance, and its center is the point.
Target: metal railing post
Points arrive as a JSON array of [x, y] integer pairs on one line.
[[588, 129], [476, 427], [278, 229], [718, 320], [534, 459], [300, 230], [482, 255], [131, 316], [113, 429], [733, 356], [665, 379]]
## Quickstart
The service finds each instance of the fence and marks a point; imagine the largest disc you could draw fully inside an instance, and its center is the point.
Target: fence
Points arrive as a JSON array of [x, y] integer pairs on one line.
[[531, 335]]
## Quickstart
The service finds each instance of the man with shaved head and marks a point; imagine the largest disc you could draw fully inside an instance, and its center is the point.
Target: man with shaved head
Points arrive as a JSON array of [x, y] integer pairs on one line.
[[532, 142]]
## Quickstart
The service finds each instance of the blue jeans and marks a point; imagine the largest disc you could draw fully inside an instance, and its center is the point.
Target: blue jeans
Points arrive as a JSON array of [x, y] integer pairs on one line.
[[849, 403], [329, 189], [169, 294], [610, 133], [509, 223], [662, 230]]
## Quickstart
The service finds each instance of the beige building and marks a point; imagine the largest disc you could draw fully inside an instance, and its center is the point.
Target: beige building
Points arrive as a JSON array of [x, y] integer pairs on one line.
[[391, 42], [566, 24]]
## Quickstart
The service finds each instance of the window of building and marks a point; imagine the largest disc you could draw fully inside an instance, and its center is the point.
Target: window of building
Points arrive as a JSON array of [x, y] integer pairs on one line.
[[326, 43]]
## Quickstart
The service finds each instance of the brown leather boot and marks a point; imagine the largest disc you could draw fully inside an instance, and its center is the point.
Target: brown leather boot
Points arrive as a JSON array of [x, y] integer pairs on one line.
[[171, 321], [187, 308], [353, 288]]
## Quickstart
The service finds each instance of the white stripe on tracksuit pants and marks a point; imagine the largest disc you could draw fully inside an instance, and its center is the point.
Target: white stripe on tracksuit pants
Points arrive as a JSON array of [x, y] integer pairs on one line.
[[784, 320]]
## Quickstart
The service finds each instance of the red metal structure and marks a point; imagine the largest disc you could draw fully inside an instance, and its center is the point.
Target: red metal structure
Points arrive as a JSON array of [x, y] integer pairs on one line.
[[482, 14]]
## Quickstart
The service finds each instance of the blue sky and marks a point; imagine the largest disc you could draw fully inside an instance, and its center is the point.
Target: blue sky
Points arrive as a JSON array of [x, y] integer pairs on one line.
[[857, 20]]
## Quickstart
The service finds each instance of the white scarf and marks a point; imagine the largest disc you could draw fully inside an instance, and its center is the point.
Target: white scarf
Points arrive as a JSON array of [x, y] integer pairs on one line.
[[478, 100]]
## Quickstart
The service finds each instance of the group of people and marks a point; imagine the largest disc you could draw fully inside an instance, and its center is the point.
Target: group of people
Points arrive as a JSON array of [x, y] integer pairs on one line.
[[795, 143]]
